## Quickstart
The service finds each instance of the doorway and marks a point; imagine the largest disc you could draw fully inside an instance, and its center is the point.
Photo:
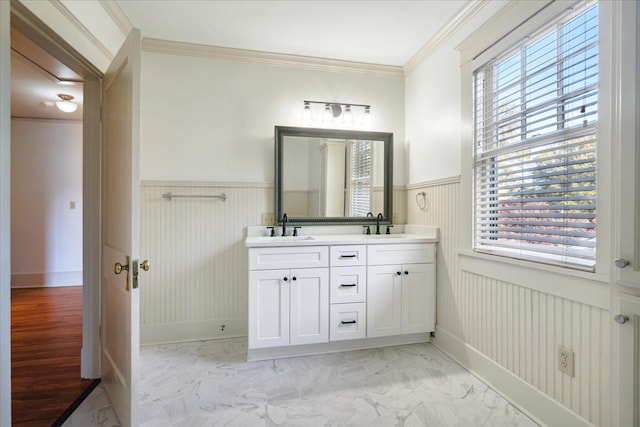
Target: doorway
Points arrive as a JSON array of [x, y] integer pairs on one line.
[[25, 23]]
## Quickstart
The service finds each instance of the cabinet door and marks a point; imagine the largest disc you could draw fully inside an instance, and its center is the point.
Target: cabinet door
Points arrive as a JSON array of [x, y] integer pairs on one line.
[[384, 303], [268, 308], [309, 306], [418, 298]]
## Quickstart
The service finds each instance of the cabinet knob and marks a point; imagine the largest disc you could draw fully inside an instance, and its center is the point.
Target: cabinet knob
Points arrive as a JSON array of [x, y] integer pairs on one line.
[[285, 278], [621, 319], [621, 263], [294, 278], [398, 273], [406, 273]]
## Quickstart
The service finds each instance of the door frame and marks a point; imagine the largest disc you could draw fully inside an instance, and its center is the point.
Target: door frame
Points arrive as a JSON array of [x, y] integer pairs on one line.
[[27, 23]]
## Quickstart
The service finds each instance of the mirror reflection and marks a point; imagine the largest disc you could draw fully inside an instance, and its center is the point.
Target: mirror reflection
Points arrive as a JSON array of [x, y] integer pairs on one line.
[[327, 175]]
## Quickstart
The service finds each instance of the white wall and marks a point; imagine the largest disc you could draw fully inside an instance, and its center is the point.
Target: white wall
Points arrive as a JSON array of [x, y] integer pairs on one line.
[[46, 175], [433, 117], [206, 119]]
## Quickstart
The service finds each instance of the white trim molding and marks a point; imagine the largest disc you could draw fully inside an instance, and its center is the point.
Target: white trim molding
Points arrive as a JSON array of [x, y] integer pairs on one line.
[[523, 395], [117, 15], [47, 279], [277, 59], [461, 18], [206, 184], [196, 330]]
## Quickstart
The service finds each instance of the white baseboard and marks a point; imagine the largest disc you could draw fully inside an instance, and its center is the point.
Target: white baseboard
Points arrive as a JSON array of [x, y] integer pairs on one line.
[[163, 333], [44, 280], [535, 404]]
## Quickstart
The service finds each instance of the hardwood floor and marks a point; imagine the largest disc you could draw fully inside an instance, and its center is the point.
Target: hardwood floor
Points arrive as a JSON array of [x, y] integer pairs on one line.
[[46, 338]]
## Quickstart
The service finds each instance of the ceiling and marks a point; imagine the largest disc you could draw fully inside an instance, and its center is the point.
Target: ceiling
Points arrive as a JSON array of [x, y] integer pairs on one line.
[[376, 32], [36, 80]]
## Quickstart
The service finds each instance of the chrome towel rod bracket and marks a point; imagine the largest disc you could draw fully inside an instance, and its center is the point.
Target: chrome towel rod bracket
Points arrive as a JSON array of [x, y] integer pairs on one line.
[[170, 196]]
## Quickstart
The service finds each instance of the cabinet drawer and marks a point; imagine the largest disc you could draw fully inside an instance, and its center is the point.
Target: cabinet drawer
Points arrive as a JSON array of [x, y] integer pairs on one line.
[[288, 257], [347, 321], [414, 253], [348, 284], [348, 255]]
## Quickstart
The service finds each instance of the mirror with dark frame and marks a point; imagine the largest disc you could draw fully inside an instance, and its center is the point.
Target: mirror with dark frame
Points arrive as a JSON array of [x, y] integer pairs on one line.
[[332, 176]]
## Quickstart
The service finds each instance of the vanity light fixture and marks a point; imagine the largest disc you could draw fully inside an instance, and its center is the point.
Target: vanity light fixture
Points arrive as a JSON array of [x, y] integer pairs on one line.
[[65, 104], [337, 112]]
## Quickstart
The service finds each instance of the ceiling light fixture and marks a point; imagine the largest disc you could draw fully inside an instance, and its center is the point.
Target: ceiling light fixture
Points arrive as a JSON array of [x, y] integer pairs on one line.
[[337, 112], [65, 104]]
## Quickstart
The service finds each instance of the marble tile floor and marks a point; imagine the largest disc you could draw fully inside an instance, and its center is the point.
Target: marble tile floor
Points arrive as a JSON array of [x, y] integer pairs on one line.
[[209, 383]]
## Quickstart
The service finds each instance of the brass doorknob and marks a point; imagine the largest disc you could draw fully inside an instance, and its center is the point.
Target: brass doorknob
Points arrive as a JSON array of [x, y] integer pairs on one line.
[[119, 267], [145, 265]]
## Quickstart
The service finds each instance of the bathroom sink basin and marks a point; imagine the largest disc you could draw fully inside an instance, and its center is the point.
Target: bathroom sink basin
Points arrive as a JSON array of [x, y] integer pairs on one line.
[[285, 238]]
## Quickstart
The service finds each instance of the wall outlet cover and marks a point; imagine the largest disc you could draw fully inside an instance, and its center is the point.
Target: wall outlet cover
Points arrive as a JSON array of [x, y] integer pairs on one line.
[[566, 360], [267, 218]]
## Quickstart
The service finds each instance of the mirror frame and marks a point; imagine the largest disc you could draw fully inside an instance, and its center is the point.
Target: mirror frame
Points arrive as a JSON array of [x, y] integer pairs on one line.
[[386, 137]]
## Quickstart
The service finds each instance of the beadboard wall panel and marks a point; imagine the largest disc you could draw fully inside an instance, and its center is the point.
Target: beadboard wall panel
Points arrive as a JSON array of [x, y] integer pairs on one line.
[[198, 276], [198, 279], [516, 327]]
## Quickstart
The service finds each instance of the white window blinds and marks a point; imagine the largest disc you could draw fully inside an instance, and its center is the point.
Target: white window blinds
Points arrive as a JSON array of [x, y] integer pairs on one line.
[[536, 112], [360, 177]]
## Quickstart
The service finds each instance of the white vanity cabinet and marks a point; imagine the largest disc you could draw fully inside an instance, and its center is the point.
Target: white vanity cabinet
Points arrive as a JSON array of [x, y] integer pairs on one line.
[[288, 306], [314, 294], [400, 289]]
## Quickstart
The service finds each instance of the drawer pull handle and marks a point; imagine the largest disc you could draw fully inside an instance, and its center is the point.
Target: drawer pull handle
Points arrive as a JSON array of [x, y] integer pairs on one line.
[[348, 322], [348, 256], [348, 285]]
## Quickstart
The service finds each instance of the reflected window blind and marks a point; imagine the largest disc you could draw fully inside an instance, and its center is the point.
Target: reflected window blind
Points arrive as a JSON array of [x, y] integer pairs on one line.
[[360, 179], [536, 114]]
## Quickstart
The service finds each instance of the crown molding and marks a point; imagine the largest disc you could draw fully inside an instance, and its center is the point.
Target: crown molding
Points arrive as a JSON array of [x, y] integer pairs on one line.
[[117, 15], [81, 28], [267, 58], [468, 11]]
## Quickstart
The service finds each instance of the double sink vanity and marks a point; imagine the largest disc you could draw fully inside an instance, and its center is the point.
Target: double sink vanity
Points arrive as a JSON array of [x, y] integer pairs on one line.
[[337, 284], [332, 288]]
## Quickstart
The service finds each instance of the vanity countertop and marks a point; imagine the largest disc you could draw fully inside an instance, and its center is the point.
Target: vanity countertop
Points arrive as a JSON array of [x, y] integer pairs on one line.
[[257, 237]]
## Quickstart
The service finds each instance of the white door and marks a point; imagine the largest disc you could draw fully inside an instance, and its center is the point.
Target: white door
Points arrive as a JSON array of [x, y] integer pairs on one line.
[[626, 273], [309, 312], [418, 294], [120, 299], [384, 304], [268, 308], [628, 319]]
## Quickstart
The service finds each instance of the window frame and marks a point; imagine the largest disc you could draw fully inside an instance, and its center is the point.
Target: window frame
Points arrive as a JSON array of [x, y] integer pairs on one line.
[[485, 106]]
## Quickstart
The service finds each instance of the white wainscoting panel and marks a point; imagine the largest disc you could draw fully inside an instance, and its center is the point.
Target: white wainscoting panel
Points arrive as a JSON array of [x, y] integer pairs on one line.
[[518, 328], [198, 276]]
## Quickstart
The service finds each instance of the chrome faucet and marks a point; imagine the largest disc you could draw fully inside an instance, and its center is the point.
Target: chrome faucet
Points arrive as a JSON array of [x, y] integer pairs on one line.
[[285, 218], [378, 218]]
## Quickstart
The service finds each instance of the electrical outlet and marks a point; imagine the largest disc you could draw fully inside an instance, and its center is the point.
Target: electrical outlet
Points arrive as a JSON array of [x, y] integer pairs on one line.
[[72, 205], [267, 218], [566, 361]]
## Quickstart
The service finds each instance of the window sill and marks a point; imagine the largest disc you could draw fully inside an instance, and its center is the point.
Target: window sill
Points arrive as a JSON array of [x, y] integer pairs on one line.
[[574, 285]]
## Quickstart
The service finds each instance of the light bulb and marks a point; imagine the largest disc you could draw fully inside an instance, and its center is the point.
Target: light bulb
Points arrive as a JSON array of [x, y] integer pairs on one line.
[[65, 103], [306, 113], [367, 120], [327, 116], [347, 116]]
